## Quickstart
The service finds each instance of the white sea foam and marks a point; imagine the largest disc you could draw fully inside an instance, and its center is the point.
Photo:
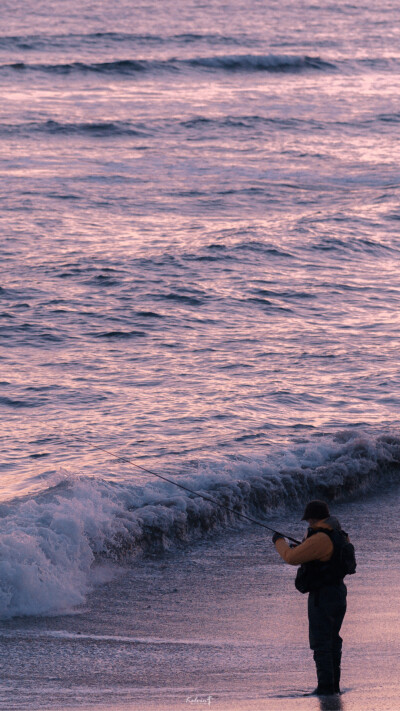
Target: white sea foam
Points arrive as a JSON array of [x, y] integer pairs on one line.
[[49, 542]]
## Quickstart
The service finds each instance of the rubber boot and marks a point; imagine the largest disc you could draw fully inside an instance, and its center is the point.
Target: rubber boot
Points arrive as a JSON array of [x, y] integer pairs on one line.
[[321, 691], [325, 672], [336, 673]]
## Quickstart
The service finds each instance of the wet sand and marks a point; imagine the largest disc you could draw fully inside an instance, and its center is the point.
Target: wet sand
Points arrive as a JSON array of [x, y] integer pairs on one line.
[[217, 625]]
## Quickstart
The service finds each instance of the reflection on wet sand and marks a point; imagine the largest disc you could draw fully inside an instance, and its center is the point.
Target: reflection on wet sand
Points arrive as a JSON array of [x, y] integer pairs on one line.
[[331, 703]]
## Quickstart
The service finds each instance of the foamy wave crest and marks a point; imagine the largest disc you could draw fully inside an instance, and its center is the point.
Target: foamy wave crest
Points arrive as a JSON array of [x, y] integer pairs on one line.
[[49, 543]]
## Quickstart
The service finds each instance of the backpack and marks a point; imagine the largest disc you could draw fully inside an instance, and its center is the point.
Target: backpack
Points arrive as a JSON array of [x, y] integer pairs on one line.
[[315, 574], [347, 556]]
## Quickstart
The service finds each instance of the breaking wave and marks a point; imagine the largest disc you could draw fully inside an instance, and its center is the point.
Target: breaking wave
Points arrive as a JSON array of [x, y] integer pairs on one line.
[[50, 542]]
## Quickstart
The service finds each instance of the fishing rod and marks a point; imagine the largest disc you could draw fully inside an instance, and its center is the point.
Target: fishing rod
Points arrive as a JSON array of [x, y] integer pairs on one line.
[[186, 488]]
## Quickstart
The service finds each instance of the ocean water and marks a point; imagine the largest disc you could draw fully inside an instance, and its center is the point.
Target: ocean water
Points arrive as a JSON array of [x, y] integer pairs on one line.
[[199, 271]]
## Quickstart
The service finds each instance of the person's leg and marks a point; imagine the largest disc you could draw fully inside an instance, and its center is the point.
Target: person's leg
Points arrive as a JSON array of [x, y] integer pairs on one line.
[[321, 641], [326, 609], [337, 640]]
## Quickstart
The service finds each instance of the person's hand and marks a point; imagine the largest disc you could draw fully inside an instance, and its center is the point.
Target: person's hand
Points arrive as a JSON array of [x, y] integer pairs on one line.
[[276, 537]]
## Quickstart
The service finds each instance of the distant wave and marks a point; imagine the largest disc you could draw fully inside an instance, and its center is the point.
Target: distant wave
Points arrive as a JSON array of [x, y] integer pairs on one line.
[[118, 334], [66, 41], [226, 63], [105, 129], [99, 129], [353, 245], [268, 63], [13, 402], [277, 63], [109, 129], [49, 542], [251, 121]]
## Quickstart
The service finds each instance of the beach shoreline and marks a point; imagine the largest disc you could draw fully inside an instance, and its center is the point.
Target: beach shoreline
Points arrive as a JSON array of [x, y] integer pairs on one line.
[[219, 625]]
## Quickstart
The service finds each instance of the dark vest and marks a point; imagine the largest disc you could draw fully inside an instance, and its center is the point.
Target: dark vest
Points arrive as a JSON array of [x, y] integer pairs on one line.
[[313, 575]]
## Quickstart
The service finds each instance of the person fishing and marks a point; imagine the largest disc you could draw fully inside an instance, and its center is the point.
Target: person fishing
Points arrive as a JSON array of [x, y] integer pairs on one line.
[[325, 556]]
